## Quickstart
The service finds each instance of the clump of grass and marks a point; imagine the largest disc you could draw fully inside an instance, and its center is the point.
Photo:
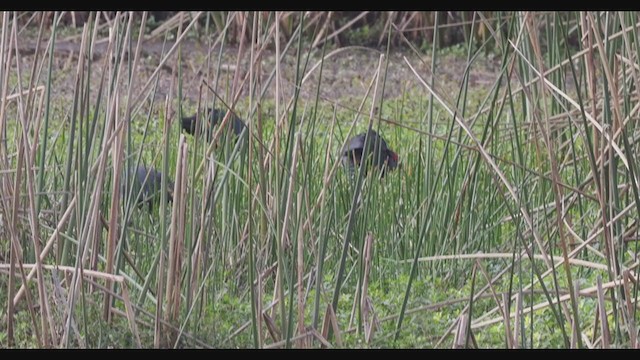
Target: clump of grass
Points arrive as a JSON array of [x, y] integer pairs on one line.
[[511, 222]]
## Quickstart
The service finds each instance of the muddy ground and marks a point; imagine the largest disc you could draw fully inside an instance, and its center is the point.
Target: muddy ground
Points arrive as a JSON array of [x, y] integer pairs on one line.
[[346, 72]]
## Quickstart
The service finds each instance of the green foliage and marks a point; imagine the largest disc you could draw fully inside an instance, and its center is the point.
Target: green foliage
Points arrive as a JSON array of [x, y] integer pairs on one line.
[[510, 177]]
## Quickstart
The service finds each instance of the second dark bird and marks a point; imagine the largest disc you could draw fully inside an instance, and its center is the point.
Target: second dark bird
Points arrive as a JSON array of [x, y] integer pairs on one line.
[[214, 116], [147, 183], [378, 153]]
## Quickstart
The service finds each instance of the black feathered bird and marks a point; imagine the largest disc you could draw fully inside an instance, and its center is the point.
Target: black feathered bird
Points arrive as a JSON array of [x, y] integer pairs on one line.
[[147, 183], [215, 116], [378, 153]]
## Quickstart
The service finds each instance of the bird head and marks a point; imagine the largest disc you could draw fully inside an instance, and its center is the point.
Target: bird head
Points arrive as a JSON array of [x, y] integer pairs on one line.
[[189, 124], [392, 159]]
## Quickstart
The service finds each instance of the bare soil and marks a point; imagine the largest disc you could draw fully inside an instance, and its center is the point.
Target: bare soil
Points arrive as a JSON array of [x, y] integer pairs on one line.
[[346, 73]]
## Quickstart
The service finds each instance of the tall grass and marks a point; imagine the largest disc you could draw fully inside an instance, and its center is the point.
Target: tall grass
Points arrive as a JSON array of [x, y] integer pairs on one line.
[[512, 220]]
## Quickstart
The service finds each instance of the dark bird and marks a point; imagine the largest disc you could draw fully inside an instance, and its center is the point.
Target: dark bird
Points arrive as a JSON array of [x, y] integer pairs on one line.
[[378, 153], [215, 116], [147, 183]]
